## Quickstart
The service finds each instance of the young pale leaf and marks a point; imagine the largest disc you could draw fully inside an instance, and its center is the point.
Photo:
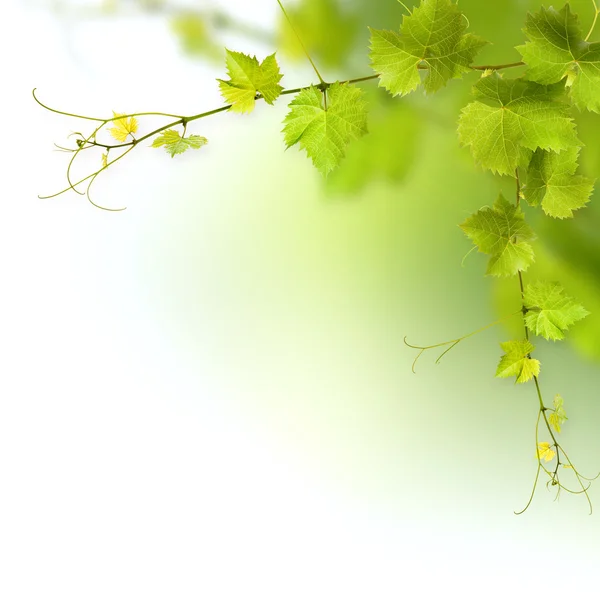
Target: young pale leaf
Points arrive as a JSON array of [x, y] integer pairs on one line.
[[247, 78], [175, 144], [559, 416], [510, 118], [549, 311], [123, 127], [545, 452], [551, 182], [557, 49], [517, 362], [432, 37], [501, 232], [325, 129]]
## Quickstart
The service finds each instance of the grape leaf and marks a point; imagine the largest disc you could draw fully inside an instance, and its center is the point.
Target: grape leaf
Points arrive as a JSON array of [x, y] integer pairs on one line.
[[556, 49], [501, 232], [517, 361], [512, 117], [559, 416], [549, 311], [432, 37], [551, 182], [325, 129], [248, 78], [545, 452], [123, 127], [175, 144]]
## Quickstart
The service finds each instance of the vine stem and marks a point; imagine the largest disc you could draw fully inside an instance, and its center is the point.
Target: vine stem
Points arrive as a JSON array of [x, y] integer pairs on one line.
[[183, 120], [301, 42], [86, 143], [453, 343], [596, 13], [554, 479]]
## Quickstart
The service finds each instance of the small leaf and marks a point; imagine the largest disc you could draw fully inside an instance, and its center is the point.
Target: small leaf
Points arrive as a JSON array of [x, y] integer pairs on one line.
[[248, 78], [517, 361], [123, 127], [175, 144], [550, 312], [559, 416], [501, 232], [324, 130], [545, 452], [105, 160]]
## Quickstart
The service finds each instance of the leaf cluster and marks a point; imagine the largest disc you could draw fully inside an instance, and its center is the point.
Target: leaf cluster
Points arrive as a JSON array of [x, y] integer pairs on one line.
[[522, 127]]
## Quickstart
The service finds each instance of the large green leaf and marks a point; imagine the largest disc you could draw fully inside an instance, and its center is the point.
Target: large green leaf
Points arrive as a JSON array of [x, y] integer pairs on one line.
[[501, 232], [510, 118], [557, 49], [432, 37], [325, 126], [550, 312], [551, 182]]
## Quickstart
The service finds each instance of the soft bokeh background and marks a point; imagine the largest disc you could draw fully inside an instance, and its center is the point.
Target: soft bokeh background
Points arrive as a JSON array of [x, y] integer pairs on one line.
[[207, 395]]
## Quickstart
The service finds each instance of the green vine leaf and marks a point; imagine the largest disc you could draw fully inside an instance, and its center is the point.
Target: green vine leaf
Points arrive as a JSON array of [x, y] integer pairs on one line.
[[324, 129], [559, 416], [432, 37], [510, 118], [517, 361], [551, 182], [550, 312], [557, 49], [501, 232], [175, 144], [248, 78]]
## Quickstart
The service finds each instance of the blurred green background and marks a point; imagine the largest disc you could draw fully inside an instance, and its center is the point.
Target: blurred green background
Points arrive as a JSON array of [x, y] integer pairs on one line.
[[208, 395]]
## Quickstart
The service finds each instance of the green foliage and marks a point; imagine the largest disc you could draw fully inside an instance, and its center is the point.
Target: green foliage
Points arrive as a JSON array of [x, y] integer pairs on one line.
[[248, 78], [433, 38], [521, 127], [552, 183], [549, 311], [557, 49], [517, 361], [510, 118], [501, 232], [559, 416], [324, 123], [174, 143]]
